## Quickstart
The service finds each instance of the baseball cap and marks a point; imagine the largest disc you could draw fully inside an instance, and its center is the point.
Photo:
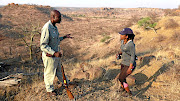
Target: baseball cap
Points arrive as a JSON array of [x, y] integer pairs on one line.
[[126, 31]]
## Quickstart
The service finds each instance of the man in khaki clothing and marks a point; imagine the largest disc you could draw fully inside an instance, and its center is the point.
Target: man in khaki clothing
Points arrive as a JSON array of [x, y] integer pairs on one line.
[[49, 44]]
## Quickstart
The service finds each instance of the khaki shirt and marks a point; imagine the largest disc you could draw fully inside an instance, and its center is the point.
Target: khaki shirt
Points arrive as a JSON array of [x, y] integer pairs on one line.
[[50, 40]]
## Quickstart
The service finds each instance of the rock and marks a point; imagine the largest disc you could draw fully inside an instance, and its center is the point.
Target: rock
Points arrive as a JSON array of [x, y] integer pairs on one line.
[[80, 75], [111, 74], [100, 98], [171, 55], [95, 73], [85, 66], [76, 70], [114, 67], [9, 82], [86, 71], [113, 63], [131, 80]]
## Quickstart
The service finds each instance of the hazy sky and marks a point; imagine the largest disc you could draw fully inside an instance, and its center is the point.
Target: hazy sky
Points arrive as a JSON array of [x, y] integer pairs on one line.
[[100, 3]]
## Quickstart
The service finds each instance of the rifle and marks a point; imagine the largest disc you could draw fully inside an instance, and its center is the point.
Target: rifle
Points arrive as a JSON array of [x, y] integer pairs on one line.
[[65, 84]]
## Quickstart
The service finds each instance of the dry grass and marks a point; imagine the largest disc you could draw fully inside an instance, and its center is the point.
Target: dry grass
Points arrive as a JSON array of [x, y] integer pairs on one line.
[[87, 46], [27, 84], [160, 38], [168, 83], [134, 19], [171, 12], [104, 62], [170, 52], [154, 16], [176, 36], [171, 23], [105, 38]]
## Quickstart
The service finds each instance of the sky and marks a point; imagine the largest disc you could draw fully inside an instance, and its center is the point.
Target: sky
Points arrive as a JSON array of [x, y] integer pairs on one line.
[[100, 3]]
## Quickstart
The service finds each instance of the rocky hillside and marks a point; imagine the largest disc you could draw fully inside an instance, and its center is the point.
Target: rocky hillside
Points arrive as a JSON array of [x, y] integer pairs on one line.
[[89, 58]]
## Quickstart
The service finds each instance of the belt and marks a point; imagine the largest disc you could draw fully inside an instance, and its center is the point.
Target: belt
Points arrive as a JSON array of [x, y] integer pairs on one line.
[[49, 55]]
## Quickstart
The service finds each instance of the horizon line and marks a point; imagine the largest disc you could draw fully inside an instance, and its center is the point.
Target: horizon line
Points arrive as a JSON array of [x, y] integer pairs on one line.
[[90, 7]]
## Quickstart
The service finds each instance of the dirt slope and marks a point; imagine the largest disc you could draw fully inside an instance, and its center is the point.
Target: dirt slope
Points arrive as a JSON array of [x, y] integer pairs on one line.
[[96, 41]]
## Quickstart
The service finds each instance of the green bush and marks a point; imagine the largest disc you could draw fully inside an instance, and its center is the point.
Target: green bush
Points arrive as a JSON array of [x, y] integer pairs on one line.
[[147, 23], [105, 38], [76, 15], [152, 25]]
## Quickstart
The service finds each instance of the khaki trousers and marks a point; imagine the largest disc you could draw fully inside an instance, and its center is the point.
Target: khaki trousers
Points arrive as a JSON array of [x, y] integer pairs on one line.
[[52, 68]]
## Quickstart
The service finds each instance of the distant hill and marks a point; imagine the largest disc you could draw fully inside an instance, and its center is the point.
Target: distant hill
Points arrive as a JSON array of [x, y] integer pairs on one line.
[[1, 6], [112, 12]]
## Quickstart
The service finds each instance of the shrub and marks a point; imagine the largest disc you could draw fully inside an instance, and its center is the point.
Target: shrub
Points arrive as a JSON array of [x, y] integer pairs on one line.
[[170, 12], [137, 32], [147, 23], [153, 16], [30, 34], [161, 38], [127, 24], [134, 18], [76, 15], [105, 38], [67, 17], [176, 36], [171, 23]]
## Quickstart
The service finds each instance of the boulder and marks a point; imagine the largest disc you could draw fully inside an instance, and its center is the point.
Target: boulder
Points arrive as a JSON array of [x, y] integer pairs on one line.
[[131, 80], [95, 73], [80, 75], [111, 74], [85, 66]]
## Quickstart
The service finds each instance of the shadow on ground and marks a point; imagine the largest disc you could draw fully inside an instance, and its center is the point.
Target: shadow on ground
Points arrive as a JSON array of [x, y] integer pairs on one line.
[[142, 78], [146, 60]]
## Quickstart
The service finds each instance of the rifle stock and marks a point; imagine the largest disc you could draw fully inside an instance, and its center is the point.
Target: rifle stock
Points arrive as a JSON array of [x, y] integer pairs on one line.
[[70, 95]]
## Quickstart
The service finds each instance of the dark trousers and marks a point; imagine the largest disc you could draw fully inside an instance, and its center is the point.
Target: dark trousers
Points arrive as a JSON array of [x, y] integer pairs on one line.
[[123, 74]]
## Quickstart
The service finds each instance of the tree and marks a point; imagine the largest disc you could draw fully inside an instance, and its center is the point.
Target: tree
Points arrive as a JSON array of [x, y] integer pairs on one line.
[[30, 33], [147, 23]]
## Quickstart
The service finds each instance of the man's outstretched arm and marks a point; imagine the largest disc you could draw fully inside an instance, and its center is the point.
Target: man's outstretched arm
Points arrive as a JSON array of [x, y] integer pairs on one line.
[[66, 36]]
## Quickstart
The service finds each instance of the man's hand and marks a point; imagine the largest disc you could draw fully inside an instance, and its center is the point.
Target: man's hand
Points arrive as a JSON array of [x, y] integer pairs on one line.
[[49, 55], [67, 36], [57, 54]]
